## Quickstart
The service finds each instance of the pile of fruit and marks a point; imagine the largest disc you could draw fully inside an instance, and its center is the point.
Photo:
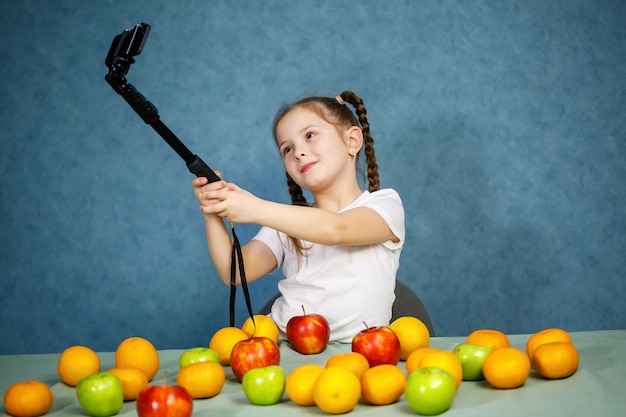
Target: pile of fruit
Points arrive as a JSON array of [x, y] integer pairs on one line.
[[372, 370]]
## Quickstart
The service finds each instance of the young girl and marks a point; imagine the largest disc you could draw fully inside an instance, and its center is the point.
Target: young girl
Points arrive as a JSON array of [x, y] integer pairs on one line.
[[339, 255]]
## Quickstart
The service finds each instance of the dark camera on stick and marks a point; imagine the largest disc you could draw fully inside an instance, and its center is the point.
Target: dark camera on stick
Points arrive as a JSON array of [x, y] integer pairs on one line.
[[124, 47]]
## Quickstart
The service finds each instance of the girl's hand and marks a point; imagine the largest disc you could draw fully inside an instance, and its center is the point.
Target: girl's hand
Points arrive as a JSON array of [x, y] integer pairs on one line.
[[201, 186], [231, 203]]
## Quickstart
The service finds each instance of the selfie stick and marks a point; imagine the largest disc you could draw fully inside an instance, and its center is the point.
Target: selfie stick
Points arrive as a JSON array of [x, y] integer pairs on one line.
[[119, 59]]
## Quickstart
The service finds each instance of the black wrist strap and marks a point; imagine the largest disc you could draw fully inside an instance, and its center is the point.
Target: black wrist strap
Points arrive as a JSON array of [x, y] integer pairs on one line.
[[236, 262]]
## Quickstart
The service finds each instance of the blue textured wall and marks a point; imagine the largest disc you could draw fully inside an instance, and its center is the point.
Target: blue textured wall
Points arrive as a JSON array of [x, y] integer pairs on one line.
[[502, 125]]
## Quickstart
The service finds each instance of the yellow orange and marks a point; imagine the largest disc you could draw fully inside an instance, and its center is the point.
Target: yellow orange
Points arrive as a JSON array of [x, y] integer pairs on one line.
[[28, 399], [383, 384], [352, 361], [414, 359], [412, 333], [202, 379], [507, 367], [445, 360], [555, 360], [224, 340], [491, 338], [76, 363], [137, 352], [300, 383], [336, 390], [546, 336], [133, 381], [263, 326]]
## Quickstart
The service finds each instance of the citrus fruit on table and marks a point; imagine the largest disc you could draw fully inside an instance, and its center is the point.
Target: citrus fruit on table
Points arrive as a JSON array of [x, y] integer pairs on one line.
[[414, 359], [263, 326], [383, 384], [446, 361], [337, 390], [546, 336], [352, 361], [133, 381], [493, 339], [28, 399], [202, 379], [412, 333], [506, 367], [224, 340], [555, 360], [137, 352], [76, 363], [300, 383]]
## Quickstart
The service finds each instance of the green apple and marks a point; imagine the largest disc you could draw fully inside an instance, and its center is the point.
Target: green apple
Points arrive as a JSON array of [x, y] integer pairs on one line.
[[197, 354], [100, 394], [430, 391], [472, 358], [264, 386]]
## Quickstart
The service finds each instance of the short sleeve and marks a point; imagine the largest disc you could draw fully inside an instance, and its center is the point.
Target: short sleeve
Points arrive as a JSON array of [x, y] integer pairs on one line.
[[388, 205], [272, 239]]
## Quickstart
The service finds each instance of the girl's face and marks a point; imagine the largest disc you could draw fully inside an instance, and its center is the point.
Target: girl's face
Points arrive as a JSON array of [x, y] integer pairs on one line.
[[314, 152]]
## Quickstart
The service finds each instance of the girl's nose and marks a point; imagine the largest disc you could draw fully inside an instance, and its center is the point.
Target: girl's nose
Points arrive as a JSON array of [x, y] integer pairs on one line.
[[300, 152]]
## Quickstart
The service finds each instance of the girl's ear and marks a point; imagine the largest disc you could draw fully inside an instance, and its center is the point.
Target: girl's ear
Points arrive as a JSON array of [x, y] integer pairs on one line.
[[354, 140]]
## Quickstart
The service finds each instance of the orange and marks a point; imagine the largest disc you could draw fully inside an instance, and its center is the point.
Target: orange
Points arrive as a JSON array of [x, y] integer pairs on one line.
[[133, 381], [224, 340], [28, 399], [546, 336], [414, 359], [383, 384], [555, 360], [76, 363], [300, 383], [352, 361], [265, 326], [412, 333], [445, 360], [202, 379], [493, 339], [336, 390], [506, 367], [137, 352]]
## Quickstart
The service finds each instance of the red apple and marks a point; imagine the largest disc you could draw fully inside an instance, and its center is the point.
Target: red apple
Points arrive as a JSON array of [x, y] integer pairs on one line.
[[255, 352], [308, 333], [164, 401], [378, 344]]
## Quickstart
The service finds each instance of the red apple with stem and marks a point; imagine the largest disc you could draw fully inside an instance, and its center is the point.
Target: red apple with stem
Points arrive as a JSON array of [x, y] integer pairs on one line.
[[379, 345], [255, 352], [309, 333], [164, 401]]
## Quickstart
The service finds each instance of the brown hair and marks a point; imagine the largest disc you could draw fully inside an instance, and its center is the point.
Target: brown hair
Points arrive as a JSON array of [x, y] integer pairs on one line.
[[340, 115]]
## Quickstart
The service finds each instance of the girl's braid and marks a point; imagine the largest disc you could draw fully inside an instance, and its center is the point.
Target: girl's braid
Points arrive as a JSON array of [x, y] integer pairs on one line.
[[368, 140], [295, 191]]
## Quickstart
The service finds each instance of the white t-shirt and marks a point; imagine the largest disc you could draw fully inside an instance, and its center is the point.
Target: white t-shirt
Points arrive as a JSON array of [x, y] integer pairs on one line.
[[348, 285]]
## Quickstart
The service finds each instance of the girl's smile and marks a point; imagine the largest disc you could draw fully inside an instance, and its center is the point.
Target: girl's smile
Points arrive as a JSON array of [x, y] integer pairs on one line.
[[307, 166]]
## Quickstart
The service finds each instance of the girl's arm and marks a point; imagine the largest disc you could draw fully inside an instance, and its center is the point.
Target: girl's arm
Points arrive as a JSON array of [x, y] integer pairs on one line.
[[258, 258], [358, 226]]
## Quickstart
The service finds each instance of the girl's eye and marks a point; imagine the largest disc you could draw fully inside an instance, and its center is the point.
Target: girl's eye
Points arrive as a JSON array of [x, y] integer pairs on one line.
[[286, 150], [309, 135]]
